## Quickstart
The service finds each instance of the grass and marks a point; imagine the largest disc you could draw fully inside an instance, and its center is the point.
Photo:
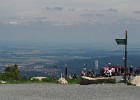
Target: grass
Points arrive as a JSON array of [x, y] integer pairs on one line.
[[49, 80], [74, 81], [54, 80], [97, 81], [45, 80]]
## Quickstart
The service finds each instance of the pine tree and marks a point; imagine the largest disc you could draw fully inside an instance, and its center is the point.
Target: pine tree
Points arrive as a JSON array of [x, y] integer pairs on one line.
[[11, 73]]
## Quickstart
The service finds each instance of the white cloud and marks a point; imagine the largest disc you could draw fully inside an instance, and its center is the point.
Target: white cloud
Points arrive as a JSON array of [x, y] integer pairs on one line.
[[111, 10], [129, 21], [12, 22], [137, 12], [68, 11], [54, 8]]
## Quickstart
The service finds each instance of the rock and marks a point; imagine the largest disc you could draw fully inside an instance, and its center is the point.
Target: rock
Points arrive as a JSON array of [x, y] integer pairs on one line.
[[62, 81], [3, 82], [88, 80], [38, 78], [136, 81]]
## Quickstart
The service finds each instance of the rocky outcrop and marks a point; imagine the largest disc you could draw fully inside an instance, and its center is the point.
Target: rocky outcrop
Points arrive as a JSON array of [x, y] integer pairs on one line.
[[136, 81], [62, 81], [2, 82], [38, 78], [88, 80]]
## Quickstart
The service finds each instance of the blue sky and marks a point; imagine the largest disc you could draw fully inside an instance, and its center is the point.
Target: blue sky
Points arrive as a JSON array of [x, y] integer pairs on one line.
[[72, 21]]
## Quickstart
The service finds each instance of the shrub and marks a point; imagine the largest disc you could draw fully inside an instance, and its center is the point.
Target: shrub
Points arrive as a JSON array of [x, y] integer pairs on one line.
[[35, 80], [97, 81], [11, 73], [74, 81], [50, 80], [110, 80]]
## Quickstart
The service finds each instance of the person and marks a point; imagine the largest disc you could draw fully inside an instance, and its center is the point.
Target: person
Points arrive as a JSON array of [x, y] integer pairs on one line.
[[89, 73], [110, 72], [131, 69], [83, 73], [129, 76], [135, 71], [113, 71]]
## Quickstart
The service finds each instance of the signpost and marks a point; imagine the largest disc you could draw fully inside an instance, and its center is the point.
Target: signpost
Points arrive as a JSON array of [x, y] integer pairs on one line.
[[124, 42], [66, 71], [121, 41]]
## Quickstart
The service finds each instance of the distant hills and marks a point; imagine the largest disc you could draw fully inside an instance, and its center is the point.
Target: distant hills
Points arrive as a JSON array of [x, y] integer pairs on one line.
[[74, 56]]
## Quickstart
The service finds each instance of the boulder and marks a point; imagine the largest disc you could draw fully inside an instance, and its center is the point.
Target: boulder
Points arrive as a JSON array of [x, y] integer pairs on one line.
[[88, 80], [3, 82], [136, 81], [62, 81], [38, 78]]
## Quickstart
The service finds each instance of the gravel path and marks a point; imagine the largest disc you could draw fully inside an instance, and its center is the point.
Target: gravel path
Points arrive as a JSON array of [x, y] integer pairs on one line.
[[69, 92]]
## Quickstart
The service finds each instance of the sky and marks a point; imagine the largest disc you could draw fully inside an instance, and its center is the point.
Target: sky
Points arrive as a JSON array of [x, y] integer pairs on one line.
[[69, 21]]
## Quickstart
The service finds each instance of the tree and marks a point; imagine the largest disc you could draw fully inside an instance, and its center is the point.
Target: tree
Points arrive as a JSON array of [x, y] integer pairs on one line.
[[11, 73]]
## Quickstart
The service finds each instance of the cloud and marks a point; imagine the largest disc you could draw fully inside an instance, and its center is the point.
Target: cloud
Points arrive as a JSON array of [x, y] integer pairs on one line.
[[87, 15], [12, 22], [129, 21], [92, 15], [100, 15], [137, 12], [25, 20], [112, 10], [65, 11], [89, 10], [71, 9], [54, 8]]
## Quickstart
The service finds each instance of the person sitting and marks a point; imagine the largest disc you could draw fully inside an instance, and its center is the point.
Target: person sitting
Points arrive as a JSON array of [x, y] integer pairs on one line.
[[110, 72]]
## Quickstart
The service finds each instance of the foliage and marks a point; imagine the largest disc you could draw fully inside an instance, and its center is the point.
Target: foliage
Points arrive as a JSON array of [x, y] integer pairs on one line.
[[0, 76], [109, 80], [121, 81], [49, 80], [97, 81], [35, 80], [11, 73], [127, 82], [74, 81]]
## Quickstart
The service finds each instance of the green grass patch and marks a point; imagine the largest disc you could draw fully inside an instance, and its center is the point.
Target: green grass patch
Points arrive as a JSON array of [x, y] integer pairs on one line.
[[74, 81], [97, 81], [49, 80]]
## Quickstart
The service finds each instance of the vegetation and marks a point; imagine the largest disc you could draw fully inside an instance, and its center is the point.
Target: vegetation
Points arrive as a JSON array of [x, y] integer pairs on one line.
[[97, 81], [11, 73], [35, 80], [110, 80], [74, 81], [49, 80]]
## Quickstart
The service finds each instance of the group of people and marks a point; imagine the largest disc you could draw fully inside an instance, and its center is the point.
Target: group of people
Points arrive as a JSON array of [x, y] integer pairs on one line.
[[109, 72], [113, 71], [117, 71], [89, 73]]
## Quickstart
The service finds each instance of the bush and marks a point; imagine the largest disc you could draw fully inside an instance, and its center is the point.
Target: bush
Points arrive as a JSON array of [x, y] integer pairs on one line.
[[11, 73], [35, 80], [110, 80], [50, 80], [97, 81], [74, 81]]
